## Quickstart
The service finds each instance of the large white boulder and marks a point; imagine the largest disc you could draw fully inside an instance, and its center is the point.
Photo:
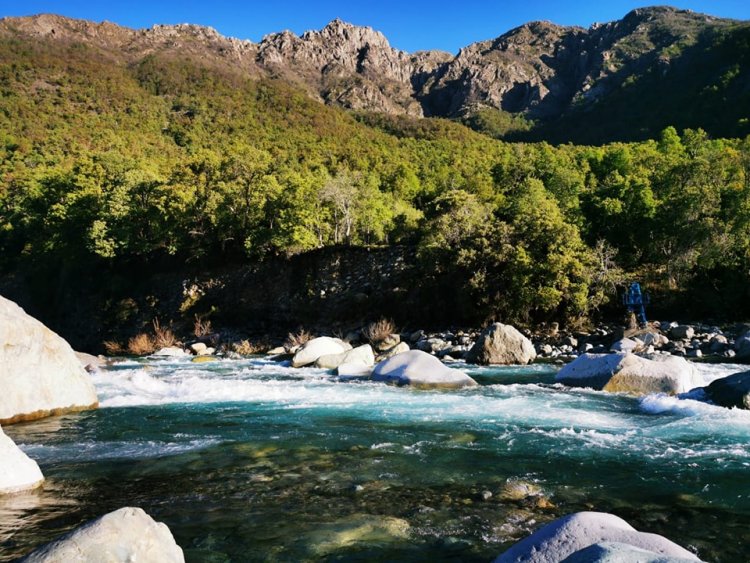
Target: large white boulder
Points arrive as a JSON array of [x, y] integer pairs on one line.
[[571, 534], [628, 373], [126, 535], [40, 374], [317, 347], [361, 354], [501, 344], [420, 369], [18, 471]]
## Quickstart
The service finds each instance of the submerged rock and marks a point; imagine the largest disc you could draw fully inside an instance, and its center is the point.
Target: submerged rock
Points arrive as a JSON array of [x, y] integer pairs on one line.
[[123, 536], [355, 529], [501, 344], [570, 535], [628, 373], [420, 369], [731, 391], [18, 472], [40, 374], [322, 346]]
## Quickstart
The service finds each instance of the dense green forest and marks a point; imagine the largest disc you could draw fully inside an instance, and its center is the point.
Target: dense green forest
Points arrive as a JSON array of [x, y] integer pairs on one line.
[[105, 163]]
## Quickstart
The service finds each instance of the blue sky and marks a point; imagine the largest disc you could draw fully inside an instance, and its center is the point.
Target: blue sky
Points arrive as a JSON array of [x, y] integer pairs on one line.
[[409, 25]]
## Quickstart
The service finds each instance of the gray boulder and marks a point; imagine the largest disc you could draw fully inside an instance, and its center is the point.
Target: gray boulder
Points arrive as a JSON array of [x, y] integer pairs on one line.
[[123, 536], [682, 332], [628, 373], [419, 369], [40, 374], [571, 534], [501, 344], [742, 346], [731, 391]]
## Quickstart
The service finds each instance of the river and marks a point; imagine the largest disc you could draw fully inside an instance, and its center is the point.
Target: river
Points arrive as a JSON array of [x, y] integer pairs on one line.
[[250, 460]]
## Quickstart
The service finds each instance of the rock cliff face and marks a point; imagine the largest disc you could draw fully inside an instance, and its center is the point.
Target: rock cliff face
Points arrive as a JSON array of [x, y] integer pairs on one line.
[[540, 70]]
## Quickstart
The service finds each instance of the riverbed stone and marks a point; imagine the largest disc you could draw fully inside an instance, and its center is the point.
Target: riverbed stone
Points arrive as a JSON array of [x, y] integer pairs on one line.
[[171, 352], [628, 373], [422, 370], [501, 344], [123, 536], [361, 354], [731, 391], [18, 472], [682, 332], [40, 374], [309, 352], [573, 533]]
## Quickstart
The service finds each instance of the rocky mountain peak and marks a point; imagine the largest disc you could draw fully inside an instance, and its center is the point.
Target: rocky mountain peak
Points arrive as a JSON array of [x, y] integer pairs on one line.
[[538, 69]]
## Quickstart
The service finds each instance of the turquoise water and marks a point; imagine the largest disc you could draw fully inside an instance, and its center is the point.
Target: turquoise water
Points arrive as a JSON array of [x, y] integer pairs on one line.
[[255, 461]]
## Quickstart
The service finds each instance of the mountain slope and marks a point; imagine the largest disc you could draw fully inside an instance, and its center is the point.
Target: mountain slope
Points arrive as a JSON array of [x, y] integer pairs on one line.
[[616, 81]]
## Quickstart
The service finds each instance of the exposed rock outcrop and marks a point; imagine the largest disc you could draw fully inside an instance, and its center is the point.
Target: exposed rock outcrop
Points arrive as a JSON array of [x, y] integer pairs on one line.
[[570, 535], [123, 536], [40, 375], [628, 373], [18, 472], [539, 69], [419, 369], [501, 344]]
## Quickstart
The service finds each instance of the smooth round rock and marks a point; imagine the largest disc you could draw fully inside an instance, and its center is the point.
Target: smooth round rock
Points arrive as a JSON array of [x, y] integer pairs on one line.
[[422, 370]]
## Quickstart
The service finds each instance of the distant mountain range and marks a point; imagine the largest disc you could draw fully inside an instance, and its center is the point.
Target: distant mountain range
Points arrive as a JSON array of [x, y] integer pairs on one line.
[[622, 80]]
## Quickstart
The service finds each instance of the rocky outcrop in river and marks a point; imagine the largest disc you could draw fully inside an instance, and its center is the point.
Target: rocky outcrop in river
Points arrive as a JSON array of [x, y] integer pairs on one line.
[[18, 472], [40, 375]]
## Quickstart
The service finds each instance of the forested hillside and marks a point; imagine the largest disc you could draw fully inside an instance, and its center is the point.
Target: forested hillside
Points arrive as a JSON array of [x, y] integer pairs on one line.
[[171, 160]]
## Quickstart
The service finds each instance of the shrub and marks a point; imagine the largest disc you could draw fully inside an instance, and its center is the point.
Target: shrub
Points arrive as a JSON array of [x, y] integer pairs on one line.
[[202, 327], [378, 331], [294, 339], [141, 345], [112, 348], [163, 337]]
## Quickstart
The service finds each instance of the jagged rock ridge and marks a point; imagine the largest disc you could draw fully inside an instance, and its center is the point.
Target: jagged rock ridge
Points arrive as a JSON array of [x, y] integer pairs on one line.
[[540, 69]]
